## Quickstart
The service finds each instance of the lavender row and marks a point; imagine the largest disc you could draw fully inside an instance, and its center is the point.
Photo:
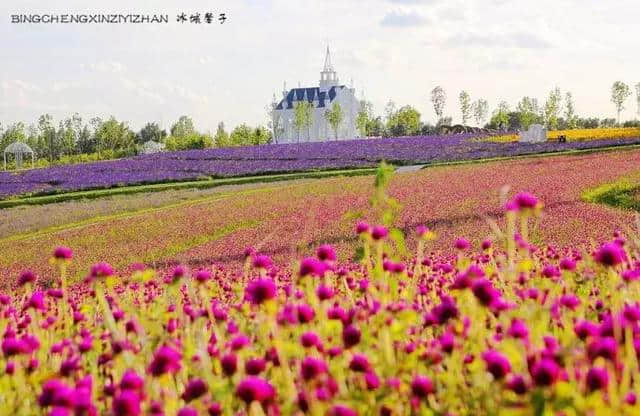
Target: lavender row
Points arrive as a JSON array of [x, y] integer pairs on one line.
[[244, 161]]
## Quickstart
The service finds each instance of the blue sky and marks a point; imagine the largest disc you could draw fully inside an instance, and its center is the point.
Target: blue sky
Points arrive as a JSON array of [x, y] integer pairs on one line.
[[393, 49]]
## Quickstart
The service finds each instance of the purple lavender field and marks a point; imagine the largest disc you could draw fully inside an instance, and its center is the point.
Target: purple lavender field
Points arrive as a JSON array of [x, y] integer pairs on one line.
[[271, 159]]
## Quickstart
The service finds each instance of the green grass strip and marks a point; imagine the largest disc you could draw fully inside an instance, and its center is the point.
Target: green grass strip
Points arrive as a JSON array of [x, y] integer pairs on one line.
[[623, 194]]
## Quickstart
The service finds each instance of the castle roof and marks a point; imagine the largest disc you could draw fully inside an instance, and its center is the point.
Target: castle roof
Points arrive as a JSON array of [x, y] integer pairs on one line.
[[310, 94]]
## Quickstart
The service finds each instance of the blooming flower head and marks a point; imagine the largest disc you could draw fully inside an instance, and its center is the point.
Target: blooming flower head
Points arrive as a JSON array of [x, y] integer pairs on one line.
[[525, 201], [255, 366], [311, 266], [187, 411], [359, 363], [260, 290], [196, 387], [484, 291], [610, 254], [63, 253], [131, 381], [262, 261], [25, 277], [462, 244], [545, 372], [126, 403], [311, 367], [362, 227], [326, 253], [497, 364], [422, 386], [340, 410], [165, 360], [605, 347], [350, 336], [597, 378], [254, 388], [100, 270], [379, 232]]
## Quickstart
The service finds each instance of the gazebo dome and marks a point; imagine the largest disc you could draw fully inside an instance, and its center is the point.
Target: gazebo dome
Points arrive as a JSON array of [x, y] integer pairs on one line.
[[18, 150], [18, 147]]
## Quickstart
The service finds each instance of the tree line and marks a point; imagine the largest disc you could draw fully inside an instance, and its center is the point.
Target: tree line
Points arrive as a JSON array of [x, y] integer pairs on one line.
[[74, 139]]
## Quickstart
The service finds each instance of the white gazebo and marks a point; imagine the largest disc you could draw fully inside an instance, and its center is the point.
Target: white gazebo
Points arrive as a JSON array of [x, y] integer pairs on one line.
[[18, 150], [152, 147]]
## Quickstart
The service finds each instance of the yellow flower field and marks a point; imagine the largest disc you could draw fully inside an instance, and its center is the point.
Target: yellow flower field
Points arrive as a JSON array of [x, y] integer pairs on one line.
[[576, 134]]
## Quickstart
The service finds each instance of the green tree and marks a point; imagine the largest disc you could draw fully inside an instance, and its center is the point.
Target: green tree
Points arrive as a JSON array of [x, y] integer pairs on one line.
[[500, 118], [480, 111], [302, 116], [570, 111], [405, 122], [527, 112], [465, 106], [552, 108], [619, 94], [183, 127], [115, 138], [241, 135], [221, 139], [261, 136], [438, 99], [364, 117], [151, 131], [334, 117], [48, 137]]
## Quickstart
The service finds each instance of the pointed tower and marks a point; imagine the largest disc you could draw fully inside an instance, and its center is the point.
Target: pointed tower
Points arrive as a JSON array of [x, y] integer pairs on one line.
[[328, 76]]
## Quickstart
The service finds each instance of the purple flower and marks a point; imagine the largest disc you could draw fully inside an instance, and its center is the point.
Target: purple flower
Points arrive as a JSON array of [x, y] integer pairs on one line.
[[326, 253], [462, 244], [311, 367], [605, 347], [568, 264], [196, 387], [49, 391], [126, 403], [36, 301], [254, 388], [25, 277], [379, 232], [14, 346], [340, 410], [165, 360], [100, 270], [518, 329], [545, 372], [131, 381], [63, 253], [260, 290], [255, 366], [497, 364], [324, 292], [187, 411], [517, 384], [309, 339], [312, 266], [262, 261], [525, 200], [350, 336], [446, 310], [610, 254], [597, 378], [422, 386], [484, 291], [584, 329], [362, 227], [359, 363], [372, 380], [229, 364]]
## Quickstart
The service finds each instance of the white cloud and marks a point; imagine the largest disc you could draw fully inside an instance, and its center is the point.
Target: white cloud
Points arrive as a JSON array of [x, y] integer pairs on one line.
[[403, 19]]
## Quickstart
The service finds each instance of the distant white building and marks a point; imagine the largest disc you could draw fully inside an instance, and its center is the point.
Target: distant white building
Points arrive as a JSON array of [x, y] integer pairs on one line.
[[322, 99]]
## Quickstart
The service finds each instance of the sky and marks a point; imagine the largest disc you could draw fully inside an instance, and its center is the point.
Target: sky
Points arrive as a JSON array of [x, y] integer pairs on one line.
[[392, 50]]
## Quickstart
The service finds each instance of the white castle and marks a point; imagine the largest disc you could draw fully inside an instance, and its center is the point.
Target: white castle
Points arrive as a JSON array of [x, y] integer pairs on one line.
[[322, 99]]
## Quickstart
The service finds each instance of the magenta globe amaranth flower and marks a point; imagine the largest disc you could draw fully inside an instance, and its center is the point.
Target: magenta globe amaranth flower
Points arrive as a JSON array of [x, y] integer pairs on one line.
[[260, 290], [497, 364], [350, 336], [63, 253], [545, 372], [165, 360], [340, 410], [605, 347], [326, 253], [311, 266], [517, 384], [229, 363], [187, 411], [255, 366], [25, 277], [131, 381], [311, 368], [484, 291], [254, 388], [610, 254], [196, 388], [462, 244], [359, 363], [422, 386], [379, 232], [597, 378], [262, 261], [126, 403], [101, 270], [525, 201], [203, 276], [362, 227]]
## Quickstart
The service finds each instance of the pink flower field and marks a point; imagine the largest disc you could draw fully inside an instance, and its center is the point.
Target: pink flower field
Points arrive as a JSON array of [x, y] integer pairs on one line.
[[302, 299]]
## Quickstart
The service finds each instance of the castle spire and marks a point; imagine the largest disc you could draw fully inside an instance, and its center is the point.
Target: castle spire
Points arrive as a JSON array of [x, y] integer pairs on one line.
[[327, 62]]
